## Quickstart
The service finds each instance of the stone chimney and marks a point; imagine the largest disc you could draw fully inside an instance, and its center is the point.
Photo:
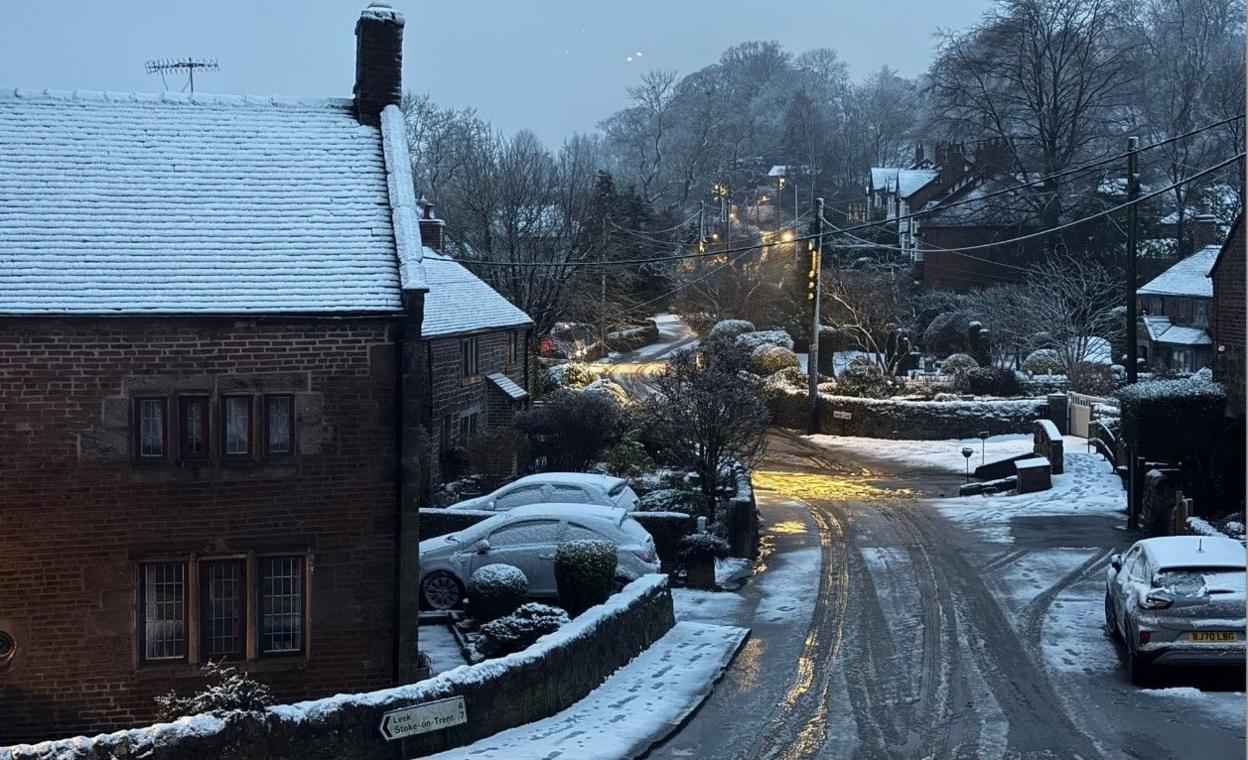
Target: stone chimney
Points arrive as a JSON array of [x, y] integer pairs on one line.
[[430, 226], [378, 61], [1205, 231], [918, 153]]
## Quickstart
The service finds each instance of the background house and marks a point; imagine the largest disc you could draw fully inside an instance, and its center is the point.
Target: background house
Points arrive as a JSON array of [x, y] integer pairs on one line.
[[1175, 310], [210, 310]]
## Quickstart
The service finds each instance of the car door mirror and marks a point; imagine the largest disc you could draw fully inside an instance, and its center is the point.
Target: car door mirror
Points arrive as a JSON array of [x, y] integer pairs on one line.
[[1116, 562], [489, 504], [481, 547]]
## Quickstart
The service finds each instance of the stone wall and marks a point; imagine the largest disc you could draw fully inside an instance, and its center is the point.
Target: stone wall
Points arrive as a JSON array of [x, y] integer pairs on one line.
[[520, 688], [918, 420]]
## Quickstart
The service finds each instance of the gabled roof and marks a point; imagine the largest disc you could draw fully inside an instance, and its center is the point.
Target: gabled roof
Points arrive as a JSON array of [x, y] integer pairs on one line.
[[1189, 277], [883, 177], [1161, 330], [911, 181], [117, 203], [460, 302]]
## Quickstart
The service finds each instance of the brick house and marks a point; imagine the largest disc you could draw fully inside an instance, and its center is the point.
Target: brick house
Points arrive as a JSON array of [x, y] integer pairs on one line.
[[210, 384], [953, 174], [1175, 309], [1229, 303], [476, 345]]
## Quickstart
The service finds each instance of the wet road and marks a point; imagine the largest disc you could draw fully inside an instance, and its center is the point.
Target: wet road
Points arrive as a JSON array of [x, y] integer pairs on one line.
[[907, 636], [635, 370]]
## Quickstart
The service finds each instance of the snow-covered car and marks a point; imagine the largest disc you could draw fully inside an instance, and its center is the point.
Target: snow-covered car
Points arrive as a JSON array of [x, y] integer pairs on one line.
[[527, 537], [1177, 600], [556, 488]]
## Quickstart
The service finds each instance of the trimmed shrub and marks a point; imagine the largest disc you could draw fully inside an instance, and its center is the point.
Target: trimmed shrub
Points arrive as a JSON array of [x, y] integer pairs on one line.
[[628, 458], [518, 630], [769, 359], [792, 378], [752, 340], [947, 334], [988, 381], [674, 500], [863, 379], [1092, 378], [957, 363], [703, 546], [584, 572], [1170, 419], [228, 690], [728, 329], [576, 375], [610, 389], [667, 529], [1043, 361], [496, 590]]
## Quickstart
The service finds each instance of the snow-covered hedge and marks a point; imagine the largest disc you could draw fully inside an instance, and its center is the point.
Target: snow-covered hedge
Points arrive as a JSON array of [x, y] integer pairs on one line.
[[1043, 361], [610, 389], [1170, 419], [728, 329], [752, 340], [496, 590], [957, 363], [518, 630], [701, 546], [667, 529], [584, 571], [535, 683], [681, 500], [899, 418], [769, 359]]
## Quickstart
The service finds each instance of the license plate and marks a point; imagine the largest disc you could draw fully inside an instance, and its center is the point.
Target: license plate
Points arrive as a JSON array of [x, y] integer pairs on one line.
[[1216, 636]]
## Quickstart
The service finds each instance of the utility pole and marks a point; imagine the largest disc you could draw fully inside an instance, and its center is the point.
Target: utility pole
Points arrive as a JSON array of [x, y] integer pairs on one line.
[[816, 276], [1133, 196]]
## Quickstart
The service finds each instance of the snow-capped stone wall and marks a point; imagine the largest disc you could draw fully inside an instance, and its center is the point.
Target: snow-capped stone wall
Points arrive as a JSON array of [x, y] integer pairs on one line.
[[535, 683]]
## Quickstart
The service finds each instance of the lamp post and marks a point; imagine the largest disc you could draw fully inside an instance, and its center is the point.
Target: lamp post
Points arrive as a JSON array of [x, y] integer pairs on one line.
[[983, 446], [968, 452]]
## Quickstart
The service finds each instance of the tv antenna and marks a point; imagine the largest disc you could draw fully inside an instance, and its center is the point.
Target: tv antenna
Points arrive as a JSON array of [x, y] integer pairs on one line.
[[188, 65]]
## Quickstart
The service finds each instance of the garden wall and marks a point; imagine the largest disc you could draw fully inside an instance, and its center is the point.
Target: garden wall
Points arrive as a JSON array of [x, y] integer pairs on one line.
[[536, 683], [919, 420]]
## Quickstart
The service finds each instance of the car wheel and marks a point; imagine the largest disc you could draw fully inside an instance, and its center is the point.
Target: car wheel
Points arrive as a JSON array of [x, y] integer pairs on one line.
[[441, 590], [1111, 627]]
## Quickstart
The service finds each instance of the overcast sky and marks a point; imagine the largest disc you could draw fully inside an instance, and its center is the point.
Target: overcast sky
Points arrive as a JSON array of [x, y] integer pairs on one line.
[[555, 66]]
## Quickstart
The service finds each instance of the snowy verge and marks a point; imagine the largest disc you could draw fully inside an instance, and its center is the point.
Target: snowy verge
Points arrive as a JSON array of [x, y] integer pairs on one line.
[[641, 704]]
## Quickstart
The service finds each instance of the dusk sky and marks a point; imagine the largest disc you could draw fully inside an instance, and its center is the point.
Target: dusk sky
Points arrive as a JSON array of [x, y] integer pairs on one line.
[[555, 66]]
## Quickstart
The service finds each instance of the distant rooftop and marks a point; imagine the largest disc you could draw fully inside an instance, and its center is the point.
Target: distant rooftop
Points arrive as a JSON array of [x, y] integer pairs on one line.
[[1189, 277]]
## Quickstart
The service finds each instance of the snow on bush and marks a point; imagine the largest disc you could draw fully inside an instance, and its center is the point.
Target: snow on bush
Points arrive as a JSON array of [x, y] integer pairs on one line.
[[1171, 419], [518, 630], [228, 690], [863, 378], [703, 546], [752, 340], [672, 500], [584, 571], [1092, 378], [769, 359], [730, 328], [988, 381], [958, 363], [496, 590], [1043, 361], [608, 388], [576, 375]]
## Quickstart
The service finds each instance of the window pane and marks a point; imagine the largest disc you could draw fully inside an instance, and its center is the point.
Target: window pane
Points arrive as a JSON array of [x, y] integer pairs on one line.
[[279, 416], [222, 608], [237, 425], [151, 427], [281, 581], [194, 435], [164, 619], [534, 532]]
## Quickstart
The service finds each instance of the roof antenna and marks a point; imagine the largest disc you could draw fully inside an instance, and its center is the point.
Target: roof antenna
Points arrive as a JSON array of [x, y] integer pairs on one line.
[[189, 65], [1200, 545]]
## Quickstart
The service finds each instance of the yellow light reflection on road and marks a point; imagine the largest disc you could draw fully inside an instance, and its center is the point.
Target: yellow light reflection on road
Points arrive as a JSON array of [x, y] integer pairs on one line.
[[806, 485], [788, 527]]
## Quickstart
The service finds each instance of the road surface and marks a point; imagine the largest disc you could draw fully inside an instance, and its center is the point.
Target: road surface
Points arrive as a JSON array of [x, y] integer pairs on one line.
[[635, 370], [921, 641]]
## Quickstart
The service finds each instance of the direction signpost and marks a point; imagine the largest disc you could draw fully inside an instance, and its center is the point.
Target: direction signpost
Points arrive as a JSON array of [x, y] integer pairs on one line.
[[423, 718]]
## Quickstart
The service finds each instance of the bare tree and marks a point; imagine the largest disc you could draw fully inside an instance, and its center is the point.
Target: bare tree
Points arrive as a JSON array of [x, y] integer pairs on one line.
[[1071, 304], [865, 306], [708, 414]]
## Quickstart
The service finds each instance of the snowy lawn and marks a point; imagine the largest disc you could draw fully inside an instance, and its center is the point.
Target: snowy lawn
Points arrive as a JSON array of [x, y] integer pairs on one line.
[[637, 706], [443, 650], [939, 456]]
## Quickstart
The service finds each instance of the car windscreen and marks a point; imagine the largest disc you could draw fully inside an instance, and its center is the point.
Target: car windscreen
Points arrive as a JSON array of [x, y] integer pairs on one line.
[[1195, 581], [619, 489]]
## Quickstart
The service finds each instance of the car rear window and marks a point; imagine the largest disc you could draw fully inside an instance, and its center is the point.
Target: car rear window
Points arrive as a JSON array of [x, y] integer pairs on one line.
[[1198, 580], [634, 530], [619, 489]]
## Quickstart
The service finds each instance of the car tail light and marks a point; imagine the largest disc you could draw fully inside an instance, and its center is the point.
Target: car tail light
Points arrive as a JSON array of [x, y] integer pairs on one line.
[[644, 554], [1145, 637]]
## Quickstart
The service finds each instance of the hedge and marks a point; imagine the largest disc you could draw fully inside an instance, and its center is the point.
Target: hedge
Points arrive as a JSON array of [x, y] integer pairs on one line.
[[667, 528], [438, 522], [1170, 419]]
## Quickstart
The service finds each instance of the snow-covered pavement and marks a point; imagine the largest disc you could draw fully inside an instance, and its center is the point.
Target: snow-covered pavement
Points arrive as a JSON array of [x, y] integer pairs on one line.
[[638, 705]]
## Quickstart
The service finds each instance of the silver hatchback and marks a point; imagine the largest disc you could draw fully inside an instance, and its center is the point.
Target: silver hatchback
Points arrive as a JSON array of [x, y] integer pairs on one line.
[[1177, 600]]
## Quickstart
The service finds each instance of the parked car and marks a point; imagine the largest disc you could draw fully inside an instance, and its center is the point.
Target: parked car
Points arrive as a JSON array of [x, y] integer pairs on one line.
[[527, 537], [1177, 600], [556, 488]]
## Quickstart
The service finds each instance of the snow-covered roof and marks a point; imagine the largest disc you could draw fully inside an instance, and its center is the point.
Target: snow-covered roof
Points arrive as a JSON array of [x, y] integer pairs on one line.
[[460, 302], [883, 177], [777, 171], [1161, 330], [121, 203], [911, 181], [508, 386], [1193, 551], [564, 511], [605, 482], [1189, 277]]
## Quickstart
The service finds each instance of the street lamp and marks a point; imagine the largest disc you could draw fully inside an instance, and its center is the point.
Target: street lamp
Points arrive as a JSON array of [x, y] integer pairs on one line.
[[968, 452]]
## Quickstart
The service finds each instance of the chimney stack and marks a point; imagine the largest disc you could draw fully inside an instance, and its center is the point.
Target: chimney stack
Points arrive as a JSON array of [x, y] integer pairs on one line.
[[1205, 231], [378, 61], [430, 226]]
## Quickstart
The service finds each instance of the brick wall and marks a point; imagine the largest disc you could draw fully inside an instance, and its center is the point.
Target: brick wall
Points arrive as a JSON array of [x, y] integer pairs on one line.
[[1229, 299], [989, 266], [77, 511], [451, 395]]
